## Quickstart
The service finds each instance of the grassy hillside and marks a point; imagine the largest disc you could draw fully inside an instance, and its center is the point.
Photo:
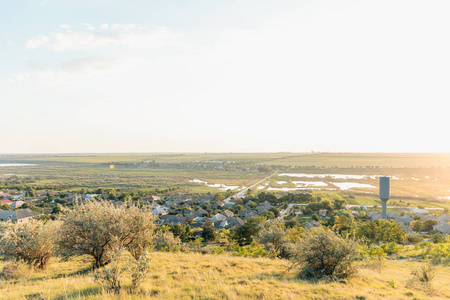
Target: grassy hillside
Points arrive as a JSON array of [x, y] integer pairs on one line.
[[195, 276]]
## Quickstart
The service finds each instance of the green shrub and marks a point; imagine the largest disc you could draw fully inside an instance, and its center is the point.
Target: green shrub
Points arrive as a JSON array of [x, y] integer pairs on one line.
[[391, 248], [14, 270], [166, 242], [32, 243], [414, 238], [439, 253], [140, 270], [437, 237], [109, 277], [325, 254], [253, 250]]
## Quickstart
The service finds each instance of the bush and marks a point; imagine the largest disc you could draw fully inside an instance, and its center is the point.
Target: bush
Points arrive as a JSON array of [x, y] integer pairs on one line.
[[14, 270], [437, 237], [428, 224], [377, 263], [391, 248], [32, 243], [439, 253], [253, 250], [424, 274], [140, 270], [273, 237], [382, 231], [109, 276], [97, 228], [325, 254], [414, 238], [166, 241]]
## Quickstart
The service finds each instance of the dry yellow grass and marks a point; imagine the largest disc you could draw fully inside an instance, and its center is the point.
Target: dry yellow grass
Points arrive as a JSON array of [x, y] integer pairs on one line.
[[195, 276]]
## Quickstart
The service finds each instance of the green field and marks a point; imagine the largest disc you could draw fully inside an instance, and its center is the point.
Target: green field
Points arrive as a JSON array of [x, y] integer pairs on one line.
[[422, 176], [328, 160]]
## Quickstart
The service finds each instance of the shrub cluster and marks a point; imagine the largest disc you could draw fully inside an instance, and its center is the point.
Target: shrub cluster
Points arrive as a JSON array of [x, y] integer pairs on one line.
[[32, 243], [325, 254]]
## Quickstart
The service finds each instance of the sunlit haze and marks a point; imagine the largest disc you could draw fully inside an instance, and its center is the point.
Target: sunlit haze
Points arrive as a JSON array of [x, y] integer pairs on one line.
[[222, 76]]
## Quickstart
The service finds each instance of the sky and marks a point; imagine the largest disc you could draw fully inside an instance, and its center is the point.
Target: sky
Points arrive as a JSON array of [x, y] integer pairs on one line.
[[224, 76]]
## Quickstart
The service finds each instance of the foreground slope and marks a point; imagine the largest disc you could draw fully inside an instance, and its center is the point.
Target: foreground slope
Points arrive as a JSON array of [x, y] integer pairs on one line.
[[195, 276]]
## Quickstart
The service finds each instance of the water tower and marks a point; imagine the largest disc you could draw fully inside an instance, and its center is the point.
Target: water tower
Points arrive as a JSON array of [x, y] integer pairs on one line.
[[384, 194]]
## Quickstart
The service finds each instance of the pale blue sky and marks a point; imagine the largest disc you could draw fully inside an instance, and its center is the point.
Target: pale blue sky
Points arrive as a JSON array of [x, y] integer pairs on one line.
[[145, 76]]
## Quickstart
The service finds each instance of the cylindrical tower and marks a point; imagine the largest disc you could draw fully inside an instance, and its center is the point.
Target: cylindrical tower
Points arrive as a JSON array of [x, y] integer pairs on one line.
[[385, 193]]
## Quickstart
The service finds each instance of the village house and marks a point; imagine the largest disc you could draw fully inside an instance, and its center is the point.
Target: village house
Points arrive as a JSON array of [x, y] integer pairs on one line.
[[154, 198], [201, 212], [419, 211], [375, 216], [19, 216], [218, 204], [262, 208], [218, 217], [444, 218], [312, 224], [392, 215], [159, 210], [429, 217], [6, 202], [227, 213], [171, 220], [443, 228], [228, 223], [406, 219], [17, 204]]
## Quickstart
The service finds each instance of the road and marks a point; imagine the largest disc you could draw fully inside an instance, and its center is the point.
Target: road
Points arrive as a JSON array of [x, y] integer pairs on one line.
[[242, 192]]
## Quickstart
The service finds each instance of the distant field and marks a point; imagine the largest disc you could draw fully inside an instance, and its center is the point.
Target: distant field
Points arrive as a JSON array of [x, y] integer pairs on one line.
[[422, 175], [365, 160], [327, 160], [158, 157]]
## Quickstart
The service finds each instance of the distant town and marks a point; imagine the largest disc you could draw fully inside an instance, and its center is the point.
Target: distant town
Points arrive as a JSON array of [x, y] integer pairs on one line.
[[223, 210]]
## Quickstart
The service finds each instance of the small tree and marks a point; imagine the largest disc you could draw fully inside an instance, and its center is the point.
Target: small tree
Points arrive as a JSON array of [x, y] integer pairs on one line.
[[96, 228], [275, 211], [428, 224], [244, 234], [416, 225], [31, 242], [324, 253], [208, 233]]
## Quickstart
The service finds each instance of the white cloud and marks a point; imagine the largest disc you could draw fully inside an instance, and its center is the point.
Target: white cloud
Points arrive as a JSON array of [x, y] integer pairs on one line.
[[89, 64], [106, 37], [88, 26], [16, 78], [70, 74]]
